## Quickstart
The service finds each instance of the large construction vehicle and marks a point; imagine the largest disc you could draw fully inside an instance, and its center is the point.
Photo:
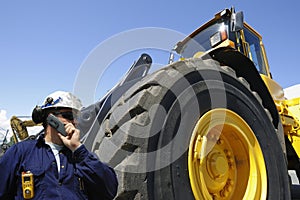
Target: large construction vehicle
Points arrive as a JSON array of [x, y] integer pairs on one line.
[[212, 125]]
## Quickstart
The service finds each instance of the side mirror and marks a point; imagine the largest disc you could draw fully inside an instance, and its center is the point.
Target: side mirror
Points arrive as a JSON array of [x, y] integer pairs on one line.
[[237, 21]]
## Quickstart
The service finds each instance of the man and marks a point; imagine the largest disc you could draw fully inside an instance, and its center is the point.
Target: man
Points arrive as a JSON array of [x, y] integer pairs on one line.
[[55, 166]]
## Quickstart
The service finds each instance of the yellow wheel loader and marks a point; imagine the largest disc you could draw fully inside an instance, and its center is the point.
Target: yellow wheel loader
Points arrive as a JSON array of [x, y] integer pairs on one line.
[[211, 125]]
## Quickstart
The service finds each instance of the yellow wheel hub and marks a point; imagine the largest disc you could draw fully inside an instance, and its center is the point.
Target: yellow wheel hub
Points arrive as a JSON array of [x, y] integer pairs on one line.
[[225, 160]]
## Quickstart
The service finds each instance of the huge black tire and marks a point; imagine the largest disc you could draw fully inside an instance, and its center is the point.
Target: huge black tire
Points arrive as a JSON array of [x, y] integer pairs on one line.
[[193, 130]]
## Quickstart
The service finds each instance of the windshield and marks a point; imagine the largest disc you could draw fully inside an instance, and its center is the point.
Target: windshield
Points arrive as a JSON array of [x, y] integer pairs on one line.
[[201, 42]]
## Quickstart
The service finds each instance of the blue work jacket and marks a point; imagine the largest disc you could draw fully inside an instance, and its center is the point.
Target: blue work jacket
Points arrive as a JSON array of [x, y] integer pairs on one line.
[[81, 176]]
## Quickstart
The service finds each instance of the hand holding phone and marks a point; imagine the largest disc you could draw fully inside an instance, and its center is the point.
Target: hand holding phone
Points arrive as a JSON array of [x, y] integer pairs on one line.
[[56, 124]]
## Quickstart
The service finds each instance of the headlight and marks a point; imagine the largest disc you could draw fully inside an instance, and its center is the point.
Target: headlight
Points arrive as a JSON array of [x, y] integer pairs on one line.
[[217, 38]]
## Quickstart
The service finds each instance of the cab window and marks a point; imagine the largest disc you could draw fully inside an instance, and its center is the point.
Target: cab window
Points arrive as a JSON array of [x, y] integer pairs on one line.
[[255, 52]]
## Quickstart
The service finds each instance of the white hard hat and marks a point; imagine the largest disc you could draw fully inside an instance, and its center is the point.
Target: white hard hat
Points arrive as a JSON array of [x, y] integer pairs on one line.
[[62, 99]]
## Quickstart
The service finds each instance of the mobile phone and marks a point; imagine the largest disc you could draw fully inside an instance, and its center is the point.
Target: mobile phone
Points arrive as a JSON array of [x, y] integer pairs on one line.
[[57, 124]]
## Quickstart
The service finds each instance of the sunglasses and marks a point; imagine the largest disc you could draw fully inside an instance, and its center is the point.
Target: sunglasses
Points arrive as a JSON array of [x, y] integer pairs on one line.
[[67, 115]]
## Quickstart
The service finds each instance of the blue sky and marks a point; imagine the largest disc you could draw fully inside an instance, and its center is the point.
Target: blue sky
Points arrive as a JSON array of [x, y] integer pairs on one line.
[[43, 44]]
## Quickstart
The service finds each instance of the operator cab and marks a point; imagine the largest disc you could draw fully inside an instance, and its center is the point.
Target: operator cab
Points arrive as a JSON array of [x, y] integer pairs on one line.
[[227, 29]]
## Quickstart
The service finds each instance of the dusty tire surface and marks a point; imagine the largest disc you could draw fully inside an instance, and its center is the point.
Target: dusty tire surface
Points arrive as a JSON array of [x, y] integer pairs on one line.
[[146, 134]]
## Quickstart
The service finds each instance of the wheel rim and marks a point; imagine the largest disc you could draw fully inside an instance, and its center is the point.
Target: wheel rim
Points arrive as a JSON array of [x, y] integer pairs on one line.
[[225, 160]]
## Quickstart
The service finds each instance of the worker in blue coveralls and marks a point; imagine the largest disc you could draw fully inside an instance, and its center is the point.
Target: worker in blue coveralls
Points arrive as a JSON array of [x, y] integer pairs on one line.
[[55, 166]]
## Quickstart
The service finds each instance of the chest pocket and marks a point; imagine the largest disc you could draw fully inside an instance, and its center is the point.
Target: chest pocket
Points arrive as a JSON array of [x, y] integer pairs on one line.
[[38, 175], [80, 187]]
